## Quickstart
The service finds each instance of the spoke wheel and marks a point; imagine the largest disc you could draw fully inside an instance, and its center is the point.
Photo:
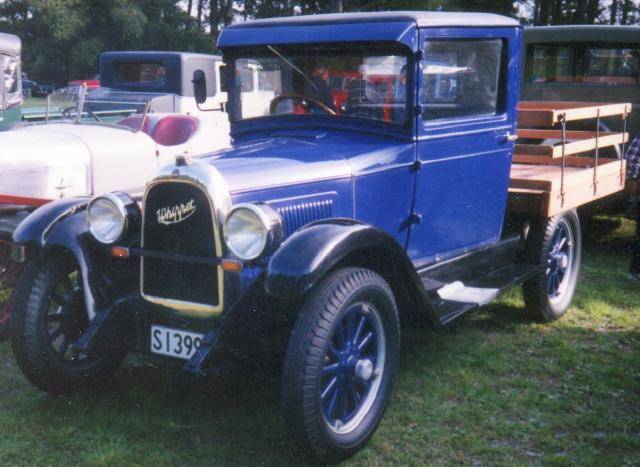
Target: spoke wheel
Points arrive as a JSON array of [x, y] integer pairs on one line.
[[559, 261], [49, 315], [555, 246], [341, 363], [66, 320], [353, 367]]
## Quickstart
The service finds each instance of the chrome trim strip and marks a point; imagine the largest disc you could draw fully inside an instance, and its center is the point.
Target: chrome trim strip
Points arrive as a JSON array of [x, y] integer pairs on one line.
[[206, 178]]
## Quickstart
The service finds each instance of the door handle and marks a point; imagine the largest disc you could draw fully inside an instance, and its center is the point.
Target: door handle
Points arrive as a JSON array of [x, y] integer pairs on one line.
[[510, 138]]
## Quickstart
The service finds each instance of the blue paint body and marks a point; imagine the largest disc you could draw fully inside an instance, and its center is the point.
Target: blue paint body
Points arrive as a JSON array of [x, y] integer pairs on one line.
[[411, 194], [367, 170]]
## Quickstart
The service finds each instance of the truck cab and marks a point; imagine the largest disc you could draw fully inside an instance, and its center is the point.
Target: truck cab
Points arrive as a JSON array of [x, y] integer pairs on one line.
[[337, 209], [11, 92]]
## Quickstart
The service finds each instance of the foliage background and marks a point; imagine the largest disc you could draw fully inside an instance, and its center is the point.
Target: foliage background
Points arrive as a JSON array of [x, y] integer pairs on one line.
[[62, 39]]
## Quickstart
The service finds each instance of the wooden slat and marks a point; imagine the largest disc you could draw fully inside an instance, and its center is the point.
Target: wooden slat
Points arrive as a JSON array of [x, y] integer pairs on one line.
[[534, 113], [535, 189], [571, 161], [577, 142]]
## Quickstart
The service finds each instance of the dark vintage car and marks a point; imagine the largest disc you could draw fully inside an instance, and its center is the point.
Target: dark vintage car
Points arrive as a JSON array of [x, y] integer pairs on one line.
[[327, 227], [592, 63]]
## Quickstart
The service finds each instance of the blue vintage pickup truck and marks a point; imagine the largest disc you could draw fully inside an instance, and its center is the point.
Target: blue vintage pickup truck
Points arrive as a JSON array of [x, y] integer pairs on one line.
[[336, 212]]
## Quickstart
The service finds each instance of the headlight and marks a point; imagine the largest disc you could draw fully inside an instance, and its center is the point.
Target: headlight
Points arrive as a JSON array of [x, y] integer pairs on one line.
[[252, 230], [108, 216]]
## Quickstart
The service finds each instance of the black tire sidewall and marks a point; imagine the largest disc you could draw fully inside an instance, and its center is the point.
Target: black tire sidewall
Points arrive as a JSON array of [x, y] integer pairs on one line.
[[314, 328], [378, 297], [29, 339], [537, 249]]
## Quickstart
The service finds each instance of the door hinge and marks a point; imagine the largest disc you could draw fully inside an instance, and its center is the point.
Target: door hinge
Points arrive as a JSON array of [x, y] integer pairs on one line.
[[413, 219], [416, 166], [418, 54], [417, 110]]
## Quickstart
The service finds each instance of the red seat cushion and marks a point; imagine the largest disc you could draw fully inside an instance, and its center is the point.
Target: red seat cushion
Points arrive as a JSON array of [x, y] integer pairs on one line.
[[174, 130], [134, 122]]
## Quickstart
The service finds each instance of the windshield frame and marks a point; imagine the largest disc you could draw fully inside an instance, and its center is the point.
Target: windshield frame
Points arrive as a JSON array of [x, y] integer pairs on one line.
[[286, 121], [77, 112]]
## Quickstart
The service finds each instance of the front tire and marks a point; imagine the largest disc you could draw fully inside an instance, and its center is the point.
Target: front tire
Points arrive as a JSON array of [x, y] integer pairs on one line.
[[556, 246], [341, 364], [49, 314]]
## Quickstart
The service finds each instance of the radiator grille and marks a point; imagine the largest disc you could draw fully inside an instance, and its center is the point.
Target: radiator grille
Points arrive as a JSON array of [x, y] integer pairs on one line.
[[178, 220]]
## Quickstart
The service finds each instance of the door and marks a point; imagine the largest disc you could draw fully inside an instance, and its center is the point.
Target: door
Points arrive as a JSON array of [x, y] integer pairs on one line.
[[467, 90]]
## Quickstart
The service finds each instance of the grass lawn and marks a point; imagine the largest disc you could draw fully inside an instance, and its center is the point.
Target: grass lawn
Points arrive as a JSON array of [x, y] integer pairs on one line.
[[494, 388]]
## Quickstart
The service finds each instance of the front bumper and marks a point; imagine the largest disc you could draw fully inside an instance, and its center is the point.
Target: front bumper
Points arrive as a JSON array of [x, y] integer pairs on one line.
[[127, 323]]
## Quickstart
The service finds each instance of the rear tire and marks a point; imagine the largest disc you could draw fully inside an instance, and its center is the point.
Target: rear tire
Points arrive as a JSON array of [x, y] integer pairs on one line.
[[49, 314], [556, 246], [341, 364]]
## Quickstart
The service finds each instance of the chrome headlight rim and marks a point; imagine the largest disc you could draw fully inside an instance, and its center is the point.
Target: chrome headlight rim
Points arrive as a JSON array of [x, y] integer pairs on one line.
[[121, 206], [271, 222]]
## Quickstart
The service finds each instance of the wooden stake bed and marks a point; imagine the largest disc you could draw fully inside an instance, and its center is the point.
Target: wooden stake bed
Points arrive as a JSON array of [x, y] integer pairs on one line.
[[549, 113], [547, 177], [551, 143]]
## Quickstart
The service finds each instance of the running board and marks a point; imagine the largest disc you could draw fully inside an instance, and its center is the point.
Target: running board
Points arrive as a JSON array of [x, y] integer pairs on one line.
[[457, 298]]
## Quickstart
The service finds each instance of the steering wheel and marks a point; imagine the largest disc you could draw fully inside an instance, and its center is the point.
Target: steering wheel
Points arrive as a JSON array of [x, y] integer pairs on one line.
[[304, 101], [67, 113]]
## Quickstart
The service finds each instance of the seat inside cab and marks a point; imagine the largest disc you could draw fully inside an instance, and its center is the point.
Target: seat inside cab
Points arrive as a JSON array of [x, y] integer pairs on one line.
[[168, 130]]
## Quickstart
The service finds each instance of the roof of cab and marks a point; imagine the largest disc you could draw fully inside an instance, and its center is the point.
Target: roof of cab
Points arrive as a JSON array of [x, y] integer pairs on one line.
[[9, 44], [421, 18], [392, 26]]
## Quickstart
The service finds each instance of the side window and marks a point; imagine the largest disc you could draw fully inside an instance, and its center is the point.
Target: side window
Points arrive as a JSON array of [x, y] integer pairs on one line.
[[244, 78], [461, 78]]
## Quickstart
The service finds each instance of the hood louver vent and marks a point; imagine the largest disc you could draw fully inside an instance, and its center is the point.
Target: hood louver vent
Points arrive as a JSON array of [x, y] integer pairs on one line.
[[296, 214]]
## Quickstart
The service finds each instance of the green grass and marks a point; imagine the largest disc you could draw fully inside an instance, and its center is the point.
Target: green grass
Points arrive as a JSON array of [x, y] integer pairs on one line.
[[494, 388], [34, 102]]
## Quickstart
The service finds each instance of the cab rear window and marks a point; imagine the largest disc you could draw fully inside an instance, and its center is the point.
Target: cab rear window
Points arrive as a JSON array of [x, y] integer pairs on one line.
[[140, 72]]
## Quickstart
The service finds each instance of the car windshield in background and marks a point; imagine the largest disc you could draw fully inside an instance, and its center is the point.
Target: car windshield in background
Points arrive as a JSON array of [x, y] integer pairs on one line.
[[103, 104], [583, 63], [322, 81]]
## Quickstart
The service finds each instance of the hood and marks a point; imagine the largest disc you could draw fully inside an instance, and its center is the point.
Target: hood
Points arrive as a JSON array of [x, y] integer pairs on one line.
[[302, 157], [64, 159], [282, 160], [38, 163]]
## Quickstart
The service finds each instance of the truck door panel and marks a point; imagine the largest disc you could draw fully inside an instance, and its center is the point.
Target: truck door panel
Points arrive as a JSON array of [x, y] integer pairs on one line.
[[466, 91]]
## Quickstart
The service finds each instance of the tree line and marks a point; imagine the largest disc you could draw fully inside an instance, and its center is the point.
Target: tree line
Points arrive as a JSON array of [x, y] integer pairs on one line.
[[62, 39]]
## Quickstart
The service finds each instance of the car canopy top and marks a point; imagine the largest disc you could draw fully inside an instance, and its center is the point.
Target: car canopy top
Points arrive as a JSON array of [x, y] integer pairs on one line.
[[9, 44], [396, 26]]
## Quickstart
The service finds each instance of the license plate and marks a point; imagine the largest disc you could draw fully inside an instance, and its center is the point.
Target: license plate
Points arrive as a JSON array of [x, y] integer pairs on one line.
[[174, 342]]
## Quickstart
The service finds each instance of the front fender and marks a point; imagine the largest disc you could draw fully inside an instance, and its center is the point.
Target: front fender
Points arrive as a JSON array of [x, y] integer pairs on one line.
[[305, 257], [41, 227], [60, 224]]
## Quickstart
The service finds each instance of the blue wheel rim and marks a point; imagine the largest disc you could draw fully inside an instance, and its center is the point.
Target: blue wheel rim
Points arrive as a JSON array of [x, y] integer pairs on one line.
[[353, 367], [559, 261]]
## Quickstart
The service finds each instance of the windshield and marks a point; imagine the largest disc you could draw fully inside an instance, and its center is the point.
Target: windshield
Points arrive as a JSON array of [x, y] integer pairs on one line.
[[362, 82], [101, 105]]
